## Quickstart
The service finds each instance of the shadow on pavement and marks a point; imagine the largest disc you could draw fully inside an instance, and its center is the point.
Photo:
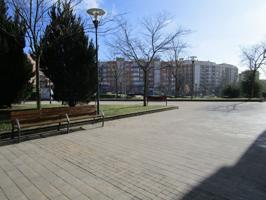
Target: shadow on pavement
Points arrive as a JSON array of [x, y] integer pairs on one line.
[[246, 180], [5, 139], [226, 108]]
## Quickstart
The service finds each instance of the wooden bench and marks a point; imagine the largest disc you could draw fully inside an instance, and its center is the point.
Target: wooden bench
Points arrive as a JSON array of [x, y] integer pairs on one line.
[[52, 117], [84, 113], [157, 98]]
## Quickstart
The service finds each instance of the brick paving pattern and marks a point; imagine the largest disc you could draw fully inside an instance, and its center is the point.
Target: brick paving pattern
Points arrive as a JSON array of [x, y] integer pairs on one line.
[[201, 151]]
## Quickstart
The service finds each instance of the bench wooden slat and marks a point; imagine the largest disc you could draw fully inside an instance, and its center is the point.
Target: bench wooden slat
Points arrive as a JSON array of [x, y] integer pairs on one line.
[[42, 123], [157, 98], [82, 113], [45, 118], [24, 114], [74, 118]]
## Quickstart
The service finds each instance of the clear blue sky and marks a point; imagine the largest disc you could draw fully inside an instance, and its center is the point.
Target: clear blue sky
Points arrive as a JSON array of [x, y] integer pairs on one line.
[[220, 27]]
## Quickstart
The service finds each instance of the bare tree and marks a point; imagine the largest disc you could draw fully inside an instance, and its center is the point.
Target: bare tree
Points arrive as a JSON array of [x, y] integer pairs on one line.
[[117, 70], [144, 47], [177, 47], [34, 15], [255, 58]]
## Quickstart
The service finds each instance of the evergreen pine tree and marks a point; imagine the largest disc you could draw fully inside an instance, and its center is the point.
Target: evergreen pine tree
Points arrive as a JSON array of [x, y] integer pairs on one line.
[[68, 59], [15, 69], [3, 12]]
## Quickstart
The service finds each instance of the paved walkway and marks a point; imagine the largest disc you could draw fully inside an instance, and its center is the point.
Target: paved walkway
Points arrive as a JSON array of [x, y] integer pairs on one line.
[[201, 151]]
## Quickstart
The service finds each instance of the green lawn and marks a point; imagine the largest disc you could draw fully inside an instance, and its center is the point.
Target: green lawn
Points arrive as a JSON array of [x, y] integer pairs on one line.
[[5, 126], [109, 110], [112, 110]]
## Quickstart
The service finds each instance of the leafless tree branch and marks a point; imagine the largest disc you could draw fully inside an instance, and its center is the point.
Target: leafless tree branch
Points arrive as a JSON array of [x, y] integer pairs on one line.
[[142, 48], [254, 58]]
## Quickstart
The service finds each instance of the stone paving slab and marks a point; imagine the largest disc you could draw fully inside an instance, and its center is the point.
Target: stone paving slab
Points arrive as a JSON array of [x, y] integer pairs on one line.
[[201, 151]]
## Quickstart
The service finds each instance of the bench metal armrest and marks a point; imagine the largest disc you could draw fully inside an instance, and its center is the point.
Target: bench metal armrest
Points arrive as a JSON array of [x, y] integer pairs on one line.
[[16, 125], [68, 122], [102, 115]]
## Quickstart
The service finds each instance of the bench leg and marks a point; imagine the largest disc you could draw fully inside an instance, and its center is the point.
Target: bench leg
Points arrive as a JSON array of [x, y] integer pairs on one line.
[[19, 129], [102, 115], [67, 127], [59, 125], [12, 133], [19, 134], [68, 123]]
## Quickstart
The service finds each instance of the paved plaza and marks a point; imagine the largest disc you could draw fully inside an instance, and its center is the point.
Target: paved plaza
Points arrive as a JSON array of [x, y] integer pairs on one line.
[[202, 151]]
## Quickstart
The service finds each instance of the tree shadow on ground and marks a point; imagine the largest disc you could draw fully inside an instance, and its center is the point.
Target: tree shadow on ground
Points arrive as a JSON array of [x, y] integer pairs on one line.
[[226, 108], [5, 139], [246, 180]]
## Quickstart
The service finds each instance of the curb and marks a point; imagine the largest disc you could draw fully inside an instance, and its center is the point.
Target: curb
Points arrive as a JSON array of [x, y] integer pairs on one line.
[[140, 113], [192, 100]]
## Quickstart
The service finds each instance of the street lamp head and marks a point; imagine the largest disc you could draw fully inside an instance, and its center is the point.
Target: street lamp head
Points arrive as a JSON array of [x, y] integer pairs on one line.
[[193, 58], [95, 13]]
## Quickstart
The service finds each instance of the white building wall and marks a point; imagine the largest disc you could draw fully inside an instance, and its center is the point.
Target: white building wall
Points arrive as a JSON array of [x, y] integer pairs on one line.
[[196, 77], [157, 77]]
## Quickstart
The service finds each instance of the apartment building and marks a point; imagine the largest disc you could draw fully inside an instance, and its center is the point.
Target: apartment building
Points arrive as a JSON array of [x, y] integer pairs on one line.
[[165, 79], [211, 78], [126, 77], [176, 80], [229, 73], [245, 74]]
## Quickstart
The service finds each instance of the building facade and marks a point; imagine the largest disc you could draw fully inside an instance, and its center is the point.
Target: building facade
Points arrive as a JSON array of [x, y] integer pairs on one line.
[[165, 79], [211, 78], [126, 77], [245, 75]]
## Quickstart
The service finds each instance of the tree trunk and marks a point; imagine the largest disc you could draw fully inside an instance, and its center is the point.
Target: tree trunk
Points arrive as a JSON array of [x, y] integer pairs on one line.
[[38, 87], [145, 76], [72, 103], [253, 77], [116, 88], [176, 87]]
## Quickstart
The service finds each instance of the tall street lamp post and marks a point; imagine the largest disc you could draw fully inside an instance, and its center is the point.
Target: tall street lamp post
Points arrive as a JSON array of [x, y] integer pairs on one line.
[[193, 58], [95, 13]]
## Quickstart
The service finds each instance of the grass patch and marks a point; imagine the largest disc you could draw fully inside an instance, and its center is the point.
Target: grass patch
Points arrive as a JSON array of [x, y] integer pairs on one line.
[[214, 99], [5, 126], [113, 110]]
